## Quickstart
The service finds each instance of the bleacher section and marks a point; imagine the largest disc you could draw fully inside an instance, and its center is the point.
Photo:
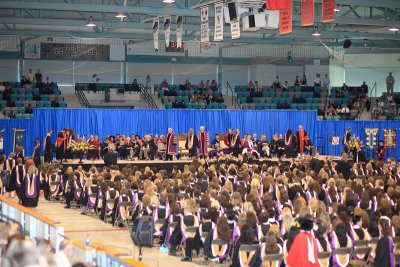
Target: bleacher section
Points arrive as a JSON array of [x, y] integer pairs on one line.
[[19, 101], [299, 98], [341, 98], [177, 97]]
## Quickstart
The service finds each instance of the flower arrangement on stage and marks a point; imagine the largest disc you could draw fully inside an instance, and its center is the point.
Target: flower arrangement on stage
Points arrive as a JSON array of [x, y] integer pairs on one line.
[[354, 141], [80, 147]]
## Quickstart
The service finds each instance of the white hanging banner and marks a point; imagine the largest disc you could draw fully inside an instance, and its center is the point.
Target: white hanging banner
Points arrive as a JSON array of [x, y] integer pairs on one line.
[[179, 29], [167, 30], [219, 22], [156, 31], [204, 38], [235, 29]]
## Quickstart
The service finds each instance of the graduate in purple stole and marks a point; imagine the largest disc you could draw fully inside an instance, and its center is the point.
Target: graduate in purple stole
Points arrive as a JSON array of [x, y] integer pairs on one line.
[[204, 142], [384, 255], [30, 187], [16, 179], [170, 143]]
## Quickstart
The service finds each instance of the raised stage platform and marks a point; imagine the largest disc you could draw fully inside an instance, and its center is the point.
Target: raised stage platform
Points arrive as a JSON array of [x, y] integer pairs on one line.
[[167, 165]]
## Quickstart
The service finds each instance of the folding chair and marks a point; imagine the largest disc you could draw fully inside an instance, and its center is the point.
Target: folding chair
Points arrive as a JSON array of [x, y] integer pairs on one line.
[[123, 214], [220, 248], [246, 253], [272, 260]]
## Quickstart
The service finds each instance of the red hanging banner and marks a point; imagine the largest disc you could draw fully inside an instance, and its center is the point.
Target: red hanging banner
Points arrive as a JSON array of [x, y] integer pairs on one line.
[[307, 13], [278, 4], [328, 10], [286, 20]]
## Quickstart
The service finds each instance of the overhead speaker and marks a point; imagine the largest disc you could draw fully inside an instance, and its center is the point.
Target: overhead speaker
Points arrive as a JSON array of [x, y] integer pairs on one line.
[[346, 43], [232, 11]]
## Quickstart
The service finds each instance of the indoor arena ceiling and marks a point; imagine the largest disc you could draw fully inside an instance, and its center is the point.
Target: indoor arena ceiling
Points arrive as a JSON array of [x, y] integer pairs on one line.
[[365, 22]]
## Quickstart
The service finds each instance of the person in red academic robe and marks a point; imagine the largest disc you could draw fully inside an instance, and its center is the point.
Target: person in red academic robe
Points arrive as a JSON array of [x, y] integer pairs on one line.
[[228, 138], [301, 137], [93, 151], [61, 144], [304, 249], [170, 141], [204, 142]]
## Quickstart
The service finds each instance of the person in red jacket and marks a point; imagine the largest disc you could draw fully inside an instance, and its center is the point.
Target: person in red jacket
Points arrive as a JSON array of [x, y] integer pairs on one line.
[[304, 250]]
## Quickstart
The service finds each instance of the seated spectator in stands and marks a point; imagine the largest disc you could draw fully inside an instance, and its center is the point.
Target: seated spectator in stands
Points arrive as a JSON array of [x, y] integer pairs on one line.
[[30, 76], [6, 92], [12, 115], [285, 86], [207, 99], [193, 98], [356, 106], [345, 110], [187, 86], [29, 109], [92, 85], [276, 83], [38, 76], [201, 85], [2, 87], [219, 99], [164, 85], [250, 86], [207, 86], [366, 103], [317, 80], [338, 110], [249, 99], [304, 80], [24, 81], [297, 81], [331, 111], [214, 85], [134, 87], [55, 103], [257, 87], [48, 81], [364, 88]]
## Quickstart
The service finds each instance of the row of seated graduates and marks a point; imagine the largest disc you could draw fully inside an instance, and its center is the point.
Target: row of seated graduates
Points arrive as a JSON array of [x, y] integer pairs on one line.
[[200, 194]]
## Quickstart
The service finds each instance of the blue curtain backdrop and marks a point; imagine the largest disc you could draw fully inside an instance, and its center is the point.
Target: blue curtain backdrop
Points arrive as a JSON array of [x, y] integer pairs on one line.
[[105, 121]]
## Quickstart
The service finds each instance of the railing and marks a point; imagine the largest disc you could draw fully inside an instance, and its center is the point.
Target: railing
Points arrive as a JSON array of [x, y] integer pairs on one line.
[[234, 98], [145, 94], [373, 90], [37, 226], [34, 225], [81, 96]]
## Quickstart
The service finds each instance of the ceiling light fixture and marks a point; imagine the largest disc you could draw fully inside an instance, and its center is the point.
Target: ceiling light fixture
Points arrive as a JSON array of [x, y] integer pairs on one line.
[[90, 22], [393, 29], [316, 32], [120, 15], [337, 8], [168, 1]]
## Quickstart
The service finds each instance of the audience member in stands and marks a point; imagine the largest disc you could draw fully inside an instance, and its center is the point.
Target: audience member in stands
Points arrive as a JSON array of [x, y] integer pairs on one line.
[[257, 87], [250, 86], [276, 83], [214, 85], [285, 86], [65, 254], [390, 83], [38, 76], [148, 81], [30, 76], [134, 86], [297, 81], [304, 81], [331, 111], [187, 86], [207, 85], [201, 84], [25, 81], [364, 89], [2, 87], [317, 80], [92, 85], [164, 85], [326, 82]]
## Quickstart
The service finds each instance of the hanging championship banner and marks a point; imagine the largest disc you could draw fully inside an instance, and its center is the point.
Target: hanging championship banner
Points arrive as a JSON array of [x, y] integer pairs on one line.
[[307, 13], [167, 30], [286, 20], [370, 137], [328, 10], [19, 136], [235, 29], [278, 4], [218, 22], [389, 135], [31, 50], [179, 29], [156, 30], [204, 34]]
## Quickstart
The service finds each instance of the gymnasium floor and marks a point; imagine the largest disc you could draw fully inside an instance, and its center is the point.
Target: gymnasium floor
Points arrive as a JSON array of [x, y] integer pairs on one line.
[[77, 226]]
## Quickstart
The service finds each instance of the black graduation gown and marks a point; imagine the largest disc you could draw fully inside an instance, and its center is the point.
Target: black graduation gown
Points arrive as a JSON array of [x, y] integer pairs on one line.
[[193, 149], [12, 185], [48, 149], [382, 257], [36, 156], [30, 189]]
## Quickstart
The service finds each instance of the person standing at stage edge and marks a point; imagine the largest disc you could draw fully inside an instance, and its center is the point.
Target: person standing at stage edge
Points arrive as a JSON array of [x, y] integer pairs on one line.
[[346, 139], [301, 137], [61, 145], [204, 142], [48, 147], [170, 140]]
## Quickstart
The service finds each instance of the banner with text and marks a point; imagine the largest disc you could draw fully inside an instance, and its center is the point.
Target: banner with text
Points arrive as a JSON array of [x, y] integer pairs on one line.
[[235, 29], [179, 29], [328, 10], [219, 22], [32, 50], [156, 31], [204, 33], [286, 20], [167, 30], [307, 13]]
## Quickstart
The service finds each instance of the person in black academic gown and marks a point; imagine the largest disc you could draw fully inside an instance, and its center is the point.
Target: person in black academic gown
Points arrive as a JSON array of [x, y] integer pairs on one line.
[[30, 186], [36, 153], [16, 179], [385, 247], [191, 143], [359, 155], [48, 147]]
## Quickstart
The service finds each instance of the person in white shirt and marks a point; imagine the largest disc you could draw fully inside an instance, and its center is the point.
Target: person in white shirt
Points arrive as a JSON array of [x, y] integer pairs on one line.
[[65, 254], [317, 80], [345, 110]]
